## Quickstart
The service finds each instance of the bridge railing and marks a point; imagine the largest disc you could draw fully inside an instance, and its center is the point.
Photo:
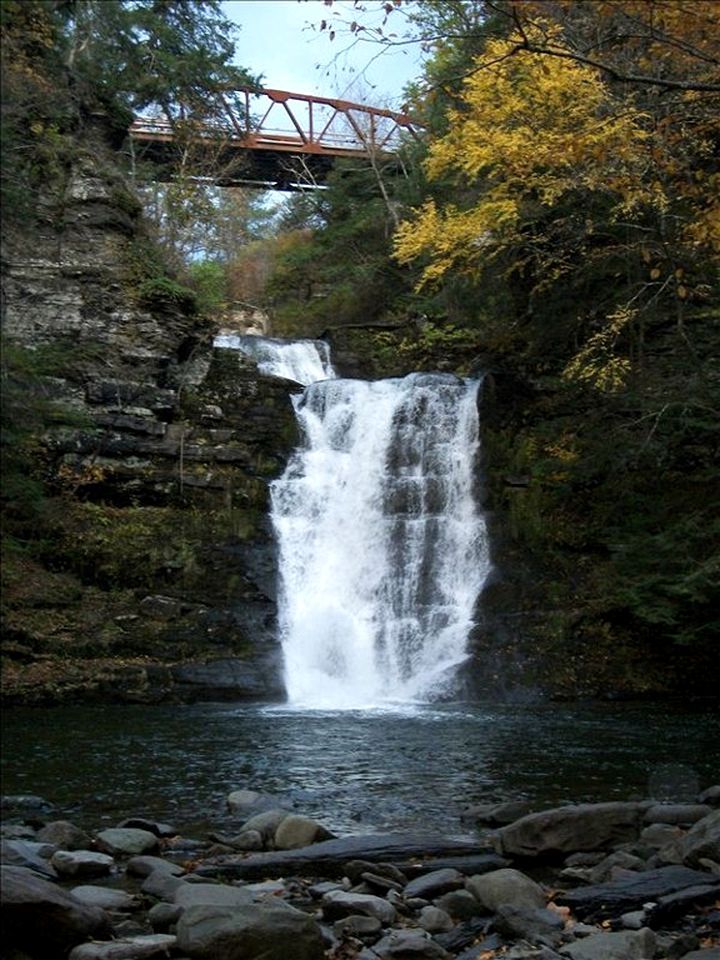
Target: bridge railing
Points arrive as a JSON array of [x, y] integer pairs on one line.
[[296, 123]]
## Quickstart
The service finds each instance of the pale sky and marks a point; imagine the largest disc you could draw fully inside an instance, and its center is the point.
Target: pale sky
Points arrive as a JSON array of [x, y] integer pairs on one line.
[[281, 39]]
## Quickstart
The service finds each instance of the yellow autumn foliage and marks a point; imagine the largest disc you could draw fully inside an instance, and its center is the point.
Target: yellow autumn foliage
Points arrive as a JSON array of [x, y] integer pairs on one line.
[[530, 129], [597, 362]]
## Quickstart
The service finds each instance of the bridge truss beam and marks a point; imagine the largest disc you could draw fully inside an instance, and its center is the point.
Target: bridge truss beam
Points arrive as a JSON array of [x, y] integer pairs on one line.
[[288, 139]]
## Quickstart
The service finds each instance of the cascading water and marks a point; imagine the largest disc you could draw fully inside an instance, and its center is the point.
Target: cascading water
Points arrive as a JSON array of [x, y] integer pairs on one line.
[[304, 361], [382, 548]]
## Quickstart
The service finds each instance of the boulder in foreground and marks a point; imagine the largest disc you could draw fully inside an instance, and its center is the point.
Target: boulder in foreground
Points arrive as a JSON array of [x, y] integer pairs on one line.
[[562, 830], [265, 931], [40, 919]]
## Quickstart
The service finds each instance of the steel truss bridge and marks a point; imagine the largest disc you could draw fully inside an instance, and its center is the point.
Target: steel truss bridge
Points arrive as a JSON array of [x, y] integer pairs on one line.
[[271, 138]]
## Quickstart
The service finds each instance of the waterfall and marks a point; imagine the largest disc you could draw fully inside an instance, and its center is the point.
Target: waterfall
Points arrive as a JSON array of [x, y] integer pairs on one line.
[[304, 361], [382, 549]]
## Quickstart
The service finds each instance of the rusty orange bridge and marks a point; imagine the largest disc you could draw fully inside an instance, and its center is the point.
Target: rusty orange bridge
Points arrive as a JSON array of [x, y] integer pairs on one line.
[[271, 138]]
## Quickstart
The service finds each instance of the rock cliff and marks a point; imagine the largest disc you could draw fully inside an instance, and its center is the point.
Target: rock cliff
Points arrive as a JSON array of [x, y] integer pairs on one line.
[[149, 570]]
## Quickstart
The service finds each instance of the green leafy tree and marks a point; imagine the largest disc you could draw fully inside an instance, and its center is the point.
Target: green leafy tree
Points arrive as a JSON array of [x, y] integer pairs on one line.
[[63, 60]]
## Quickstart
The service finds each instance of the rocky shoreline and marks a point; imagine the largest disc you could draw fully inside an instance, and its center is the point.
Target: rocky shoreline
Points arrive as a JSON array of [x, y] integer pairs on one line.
[[633, 880]]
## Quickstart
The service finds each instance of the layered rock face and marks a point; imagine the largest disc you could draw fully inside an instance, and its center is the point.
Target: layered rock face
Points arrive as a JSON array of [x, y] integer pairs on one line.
[[156, 576]]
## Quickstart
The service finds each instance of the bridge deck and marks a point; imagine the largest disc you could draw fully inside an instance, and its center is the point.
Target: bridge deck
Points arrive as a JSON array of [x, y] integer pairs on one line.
[[269, 123]]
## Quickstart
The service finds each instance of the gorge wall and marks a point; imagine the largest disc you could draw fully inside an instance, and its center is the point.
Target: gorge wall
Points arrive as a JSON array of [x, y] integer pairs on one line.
[[146, 572]]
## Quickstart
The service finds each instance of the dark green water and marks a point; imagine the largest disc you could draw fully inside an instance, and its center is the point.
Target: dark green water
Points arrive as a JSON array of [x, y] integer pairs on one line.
[[354, 771]]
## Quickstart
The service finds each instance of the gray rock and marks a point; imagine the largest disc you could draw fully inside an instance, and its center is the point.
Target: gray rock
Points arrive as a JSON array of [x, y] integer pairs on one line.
[[162, 830], [213, 894], [143, 865], [125, 927], [106, 898], [377, 881], [711, 796], [576, 874], [340, 903], [702, 841], [667, 908], [131, 948], [619, 858], [587, 826], [631, 892], [268, 888], [126, 840], [412, 903], [362, 928], [409, 945], [537, 926], [635, 920], [679, 814], [496, 814], [16, 831], [25, 853], [82, 863], [265, 823], [522, 952], [251, 932], [709, 953], [230, 678], [469, 932], [410, 852], [435, 920], [355, 870], [65, 835], [162, 885], [318, 890], [459, 904], [506, 886], [163, 915], [247, 840], [591, 858], [295, 832], [434, 884], [623, 945], [660, 835], [40, 919]]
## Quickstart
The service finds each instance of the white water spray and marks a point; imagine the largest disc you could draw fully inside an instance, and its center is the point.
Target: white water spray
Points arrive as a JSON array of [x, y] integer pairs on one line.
[[304, 361], [382, 548]]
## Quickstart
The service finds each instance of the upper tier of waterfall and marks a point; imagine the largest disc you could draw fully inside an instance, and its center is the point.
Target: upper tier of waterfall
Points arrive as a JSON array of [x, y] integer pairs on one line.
[[382, 548], [304, 361]]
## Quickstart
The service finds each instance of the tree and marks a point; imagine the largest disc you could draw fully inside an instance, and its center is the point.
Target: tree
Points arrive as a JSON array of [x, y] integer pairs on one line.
[[62, 61], [175, 54], [553, 161]]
